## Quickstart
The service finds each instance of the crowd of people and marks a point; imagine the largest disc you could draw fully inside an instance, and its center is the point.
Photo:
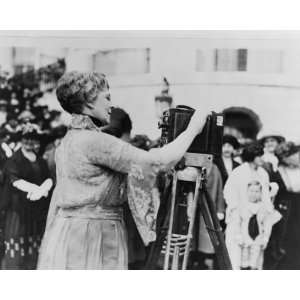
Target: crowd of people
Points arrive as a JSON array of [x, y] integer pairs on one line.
[[29, 134], [256, 189], [88, 197], [261, 196]]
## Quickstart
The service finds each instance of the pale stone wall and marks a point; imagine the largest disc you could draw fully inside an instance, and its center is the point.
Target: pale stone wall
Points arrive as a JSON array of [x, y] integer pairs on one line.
[[275, 97]]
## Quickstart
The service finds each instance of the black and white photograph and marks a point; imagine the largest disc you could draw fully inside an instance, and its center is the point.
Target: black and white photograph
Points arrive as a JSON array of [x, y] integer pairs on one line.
[[149, 150]]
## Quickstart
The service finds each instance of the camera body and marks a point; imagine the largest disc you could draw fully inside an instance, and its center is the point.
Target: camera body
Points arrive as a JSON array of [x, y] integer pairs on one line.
[[175, 120]]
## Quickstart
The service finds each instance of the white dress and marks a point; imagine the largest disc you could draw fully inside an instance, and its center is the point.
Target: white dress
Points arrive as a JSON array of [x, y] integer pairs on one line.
[[236, 198]]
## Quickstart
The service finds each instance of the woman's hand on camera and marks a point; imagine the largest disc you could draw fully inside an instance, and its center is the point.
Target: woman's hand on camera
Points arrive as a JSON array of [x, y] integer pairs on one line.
[[198, 121]]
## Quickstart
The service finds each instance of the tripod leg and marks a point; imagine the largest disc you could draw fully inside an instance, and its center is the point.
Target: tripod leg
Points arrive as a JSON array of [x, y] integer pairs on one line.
[[191, 224], [214, 229], [155, 251], [169, 237], [175, 262]]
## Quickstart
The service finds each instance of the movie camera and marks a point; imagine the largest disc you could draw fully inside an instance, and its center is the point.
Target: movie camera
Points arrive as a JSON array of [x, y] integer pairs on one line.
[[175, 120], [186, 195]]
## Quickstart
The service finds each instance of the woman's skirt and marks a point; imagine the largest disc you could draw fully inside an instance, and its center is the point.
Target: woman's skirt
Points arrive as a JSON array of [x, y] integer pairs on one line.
[[22, 240], [79, 240]]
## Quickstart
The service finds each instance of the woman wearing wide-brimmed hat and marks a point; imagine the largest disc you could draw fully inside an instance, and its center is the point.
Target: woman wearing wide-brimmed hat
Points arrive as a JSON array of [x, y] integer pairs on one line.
[[25, 200], [284, 247], [265, 137], [85, 227], [270, 141]]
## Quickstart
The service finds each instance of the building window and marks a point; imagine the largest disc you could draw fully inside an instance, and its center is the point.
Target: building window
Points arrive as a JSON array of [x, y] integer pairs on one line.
[[231, 60], [265, 61], [258, 61], [122, 61], [242, 59], [223, 60], [204, 60]]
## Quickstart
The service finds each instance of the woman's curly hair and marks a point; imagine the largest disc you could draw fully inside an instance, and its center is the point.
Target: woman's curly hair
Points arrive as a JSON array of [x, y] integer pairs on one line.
[[75, 89], [251, 151]]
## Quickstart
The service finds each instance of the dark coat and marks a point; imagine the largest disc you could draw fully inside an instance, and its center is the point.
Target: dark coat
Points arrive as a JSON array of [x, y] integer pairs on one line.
[[24, 220], [3, 159], [220, 164]]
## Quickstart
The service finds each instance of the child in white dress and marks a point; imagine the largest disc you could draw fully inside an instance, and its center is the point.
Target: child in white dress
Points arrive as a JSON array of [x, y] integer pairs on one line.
[[250, 214], [256, 225]]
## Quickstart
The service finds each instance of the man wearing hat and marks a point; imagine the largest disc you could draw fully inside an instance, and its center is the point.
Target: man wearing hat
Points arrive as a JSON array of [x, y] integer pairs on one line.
[[226, 163]]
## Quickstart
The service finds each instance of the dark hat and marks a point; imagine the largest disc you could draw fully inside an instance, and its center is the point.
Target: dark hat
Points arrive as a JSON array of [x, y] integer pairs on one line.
[[244, 120], [119, 124], [286, 149], [230, 139]]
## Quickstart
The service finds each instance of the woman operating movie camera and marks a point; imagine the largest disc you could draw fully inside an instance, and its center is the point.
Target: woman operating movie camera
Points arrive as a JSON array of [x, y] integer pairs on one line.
[[96, 173]]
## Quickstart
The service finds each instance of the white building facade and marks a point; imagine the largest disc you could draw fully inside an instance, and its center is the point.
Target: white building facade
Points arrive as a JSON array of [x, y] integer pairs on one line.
[[258, 70]]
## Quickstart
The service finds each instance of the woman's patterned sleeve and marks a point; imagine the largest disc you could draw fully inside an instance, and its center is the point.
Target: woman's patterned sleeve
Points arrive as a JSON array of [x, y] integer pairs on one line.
[[142, 168]]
